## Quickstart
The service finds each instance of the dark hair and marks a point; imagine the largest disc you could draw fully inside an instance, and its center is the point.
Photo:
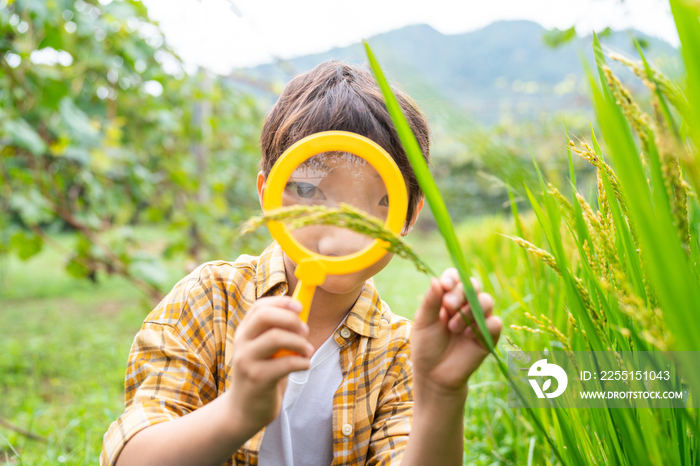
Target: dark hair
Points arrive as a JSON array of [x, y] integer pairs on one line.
[[342, 97]]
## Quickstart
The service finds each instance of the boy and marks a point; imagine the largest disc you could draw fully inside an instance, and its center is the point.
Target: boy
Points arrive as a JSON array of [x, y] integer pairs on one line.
[[202, 360]]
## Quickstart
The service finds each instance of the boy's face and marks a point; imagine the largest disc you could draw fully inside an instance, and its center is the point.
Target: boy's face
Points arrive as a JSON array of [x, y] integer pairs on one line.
[[329, 179]]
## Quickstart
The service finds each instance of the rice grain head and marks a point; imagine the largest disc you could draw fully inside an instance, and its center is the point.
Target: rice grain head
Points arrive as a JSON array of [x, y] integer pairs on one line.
[[345, 216]]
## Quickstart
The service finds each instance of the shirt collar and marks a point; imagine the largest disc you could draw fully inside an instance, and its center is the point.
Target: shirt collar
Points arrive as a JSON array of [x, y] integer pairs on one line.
[[271, 280], [364, 316]]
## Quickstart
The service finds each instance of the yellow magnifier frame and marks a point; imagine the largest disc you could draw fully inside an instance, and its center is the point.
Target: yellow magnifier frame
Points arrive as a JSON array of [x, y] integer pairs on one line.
[[312, 268]]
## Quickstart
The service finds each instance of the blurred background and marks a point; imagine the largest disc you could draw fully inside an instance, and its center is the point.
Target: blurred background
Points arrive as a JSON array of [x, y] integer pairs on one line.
[[129, 149]]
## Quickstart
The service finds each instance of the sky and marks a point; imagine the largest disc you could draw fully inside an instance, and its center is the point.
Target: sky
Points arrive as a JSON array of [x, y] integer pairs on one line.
[[222, 35]]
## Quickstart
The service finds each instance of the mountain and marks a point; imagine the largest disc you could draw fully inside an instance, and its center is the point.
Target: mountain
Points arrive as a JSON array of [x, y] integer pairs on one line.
[[501, 71]]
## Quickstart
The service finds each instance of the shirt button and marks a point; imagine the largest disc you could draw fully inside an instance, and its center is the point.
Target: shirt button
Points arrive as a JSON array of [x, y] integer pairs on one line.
[[345, 333], [347, 429]]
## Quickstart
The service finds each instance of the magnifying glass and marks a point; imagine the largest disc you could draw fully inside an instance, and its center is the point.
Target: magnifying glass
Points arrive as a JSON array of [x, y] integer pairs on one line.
[[330, 168]]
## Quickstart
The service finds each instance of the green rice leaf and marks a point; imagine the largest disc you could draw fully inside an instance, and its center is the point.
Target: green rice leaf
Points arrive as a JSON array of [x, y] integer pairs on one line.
[[685, 14], [432, 194], [599, 61], [519, 232], [659, 95]]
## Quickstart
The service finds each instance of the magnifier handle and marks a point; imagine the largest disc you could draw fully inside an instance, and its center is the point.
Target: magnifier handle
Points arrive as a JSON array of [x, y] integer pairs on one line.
[[304, 294], [310, 273]]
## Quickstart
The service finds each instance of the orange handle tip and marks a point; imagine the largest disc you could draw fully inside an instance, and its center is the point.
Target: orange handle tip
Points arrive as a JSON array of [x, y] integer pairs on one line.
[[283, 352]]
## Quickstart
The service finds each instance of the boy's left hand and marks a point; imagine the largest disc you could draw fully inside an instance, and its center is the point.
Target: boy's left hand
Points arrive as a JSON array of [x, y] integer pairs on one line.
[[445, 351]]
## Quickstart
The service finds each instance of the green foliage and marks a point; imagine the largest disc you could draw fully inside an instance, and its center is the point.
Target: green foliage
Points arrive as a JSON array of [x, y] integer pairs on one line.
[[628, 272], [556, 37], [101, 129]]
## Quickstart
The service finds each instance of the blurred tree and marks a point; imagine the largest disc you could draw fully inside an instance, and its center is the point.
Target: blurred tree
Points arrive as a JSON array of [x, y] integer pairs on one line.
[[99, 127], [555, 37]]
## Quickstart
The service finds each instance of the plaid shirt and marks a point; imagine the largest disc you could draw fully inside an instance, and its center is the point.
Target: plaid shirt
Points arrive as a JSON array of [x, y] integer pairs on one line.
[[180, 360]]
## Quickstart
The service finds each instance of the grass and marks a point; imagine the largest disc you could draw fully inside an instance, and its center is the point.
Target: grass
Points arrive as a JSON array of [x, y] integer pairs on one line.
[[62, 357], [63, 352], [432, 195]]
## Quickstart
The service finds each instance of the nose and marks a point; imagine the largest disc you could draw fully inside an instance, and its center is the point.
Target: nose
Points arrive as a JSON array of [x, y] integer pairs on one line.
[[338, 241]]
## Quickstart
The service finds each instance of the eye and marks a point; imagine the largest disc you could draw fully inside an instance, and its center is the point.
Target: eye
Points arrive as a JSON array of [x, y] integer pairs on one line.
[[384, 201], [304, 190]]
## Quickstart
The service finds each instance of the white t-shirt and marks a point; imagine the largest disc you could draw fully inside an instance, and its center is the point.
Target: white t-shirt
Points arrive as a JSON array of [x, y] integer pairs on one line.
[[302, 434]]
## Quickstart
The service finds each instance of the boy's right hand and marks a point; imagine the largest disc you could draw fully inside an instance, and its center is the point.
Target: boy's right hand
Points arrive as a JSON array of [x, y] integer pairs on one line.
[[258, 380]]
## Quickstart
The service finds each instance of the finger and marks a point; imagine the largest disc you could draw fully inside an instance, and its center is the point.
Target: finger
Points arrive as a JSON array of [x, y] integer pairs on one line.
[[444, 317], [285, 302], [476, 284], [494, 325], [272, 370], [273, 340], [451, 283], [454, 299], [461, 320], [267, 317], [429, 310], [487, 302], [464, 318], [449, 278]]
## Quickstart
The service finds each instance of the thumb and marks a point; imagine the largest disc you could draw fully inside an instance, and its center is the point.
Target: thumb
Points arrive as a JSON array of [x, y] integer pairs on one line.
[[429, 309]]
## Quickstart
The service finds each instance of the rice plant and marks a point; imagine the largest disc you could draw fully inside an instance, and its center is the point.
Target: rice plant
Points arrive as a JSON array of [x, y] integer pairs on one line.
[[627, 264], [632, 282]]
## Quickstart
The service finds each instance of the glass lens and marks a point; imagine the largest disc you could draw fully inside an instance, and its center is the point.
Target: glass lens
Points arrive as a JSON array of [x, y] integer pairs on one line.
[[330, 179]]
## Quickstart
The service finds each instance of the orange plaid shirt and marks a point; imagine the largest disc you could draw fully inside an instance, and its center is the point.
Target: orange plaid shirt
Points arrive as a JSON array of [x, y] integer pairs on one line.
[[180, 361]]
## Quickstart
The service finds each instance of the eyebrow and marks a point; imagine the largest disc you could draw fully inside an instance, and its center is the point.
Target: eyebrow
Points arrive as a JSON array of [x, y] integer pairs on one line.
[[309, 180]]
